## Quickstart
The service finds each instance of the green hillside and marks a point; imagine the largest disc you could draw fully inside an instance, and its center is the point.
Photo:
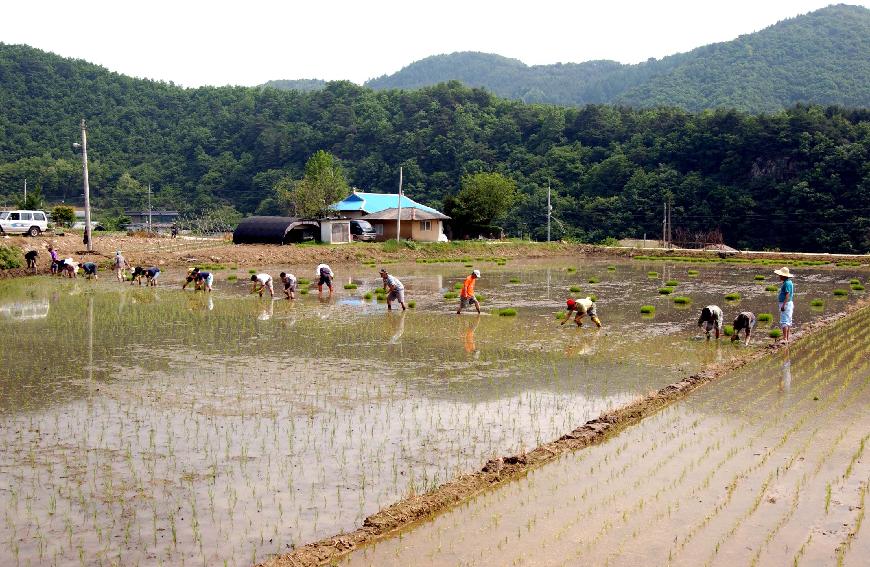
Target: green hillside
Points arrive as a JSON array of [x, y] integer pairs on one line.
[[304, 85], [822, 57], [795, 180]]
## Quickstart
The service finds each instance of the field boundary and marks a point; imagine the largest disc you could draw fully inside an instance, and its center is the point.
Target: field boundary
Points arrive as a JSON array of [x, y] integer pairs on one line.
[[414, 509]]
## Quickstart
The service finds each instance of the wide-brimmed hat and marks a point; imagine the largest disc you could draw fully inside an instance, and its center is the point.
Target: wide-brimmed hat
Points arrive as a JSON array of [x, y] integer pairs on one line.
[[784, 272], [476, 273]]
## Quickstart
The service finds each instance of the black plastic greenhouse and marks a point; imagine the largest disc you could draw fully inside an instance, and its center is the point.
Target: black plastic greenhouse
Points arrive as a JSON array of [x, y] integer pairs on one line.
[[275, 230]]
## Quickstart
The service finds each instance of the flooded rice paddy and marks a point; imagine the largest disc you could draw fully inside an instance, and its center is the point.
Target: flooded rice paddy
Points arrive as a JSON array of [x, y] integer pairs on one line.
[[155, 426], [766, 466]]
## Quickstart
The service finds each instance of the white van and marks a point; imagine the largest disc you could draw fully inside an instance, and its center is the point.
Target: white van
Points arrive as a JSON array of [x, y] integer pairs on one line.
[[23, 222]]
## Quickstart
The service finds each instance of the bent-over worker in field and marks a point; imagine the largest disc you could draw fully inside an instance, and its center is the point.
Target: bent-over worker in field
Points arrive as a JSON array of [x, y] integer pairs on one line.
[[69, 267], [395, 290], [90, 270], [786, 301], [711, 319], [324, 276], [191, 278], [262, 282], [745, 321], [151, 275], [203, 280], [289, 281], [120, 265], [466, 296], [30, 257], [583, 306]]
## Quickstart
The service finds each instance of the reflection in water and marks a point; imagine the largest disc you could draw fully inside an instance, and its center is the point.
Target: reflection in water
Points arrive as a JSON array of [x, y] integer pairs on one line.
[[397, 323], [470, 328], [267, 311], [25, 310], [785, 382]]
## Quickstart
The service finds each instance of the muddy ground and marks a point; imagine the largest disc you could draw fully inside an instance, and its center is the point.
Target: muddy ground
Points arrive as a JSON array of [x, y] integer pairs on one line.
[[409, 511], [185, 251]]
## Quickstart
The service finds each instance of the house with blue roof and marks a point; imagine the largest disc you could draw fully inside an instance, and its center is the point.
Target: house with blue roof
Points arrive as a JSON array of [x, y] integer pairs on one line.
[[419, 222]]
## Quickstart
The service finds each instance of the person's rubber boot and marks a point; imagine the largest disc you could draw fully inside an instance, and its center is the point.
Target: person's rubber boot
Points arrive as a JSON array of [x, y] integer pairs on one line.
[[597, 321]]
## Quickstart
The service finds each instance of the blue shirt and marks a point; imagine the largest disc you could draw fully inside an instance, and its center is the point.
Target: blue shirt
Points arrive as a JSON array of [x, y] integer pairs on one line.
[[786, 287]]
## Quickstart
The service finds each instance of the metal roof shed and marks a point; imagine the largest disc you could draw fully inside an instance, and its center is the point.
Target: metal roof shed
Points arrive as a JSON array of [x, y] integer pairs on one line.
[[274, 230]]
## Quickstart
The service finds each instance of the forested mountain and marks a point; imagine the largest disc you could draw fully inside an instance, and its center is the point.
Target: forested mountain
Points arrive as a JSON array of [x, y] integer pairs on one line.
[[822, 57], [304, 85], [797, 179]]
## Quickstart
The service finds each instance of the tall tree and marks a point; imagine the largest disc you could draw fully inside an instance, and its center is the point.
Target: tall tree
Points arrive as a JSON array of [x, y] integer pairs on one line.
[[324, 183], [484, 199]]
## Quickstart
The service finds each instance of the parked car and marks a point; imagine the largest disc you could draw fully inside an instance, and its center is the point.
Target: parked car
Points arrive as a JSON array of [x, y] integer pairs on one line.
[[23, 222], [362, 230], [80, 225]]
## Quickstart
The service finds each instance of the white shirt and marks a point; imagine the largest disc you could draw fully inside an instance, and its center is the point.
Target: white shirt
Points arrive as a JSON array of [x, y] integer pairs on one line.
[[323, 266], [393, 282], [585, 303], [264, 278]]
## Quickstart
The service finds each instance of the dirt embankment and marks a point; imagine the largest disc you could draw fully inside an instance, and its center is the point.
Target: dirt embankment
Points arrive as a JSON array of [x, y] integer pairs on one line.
[[405, 513], [185, 251]]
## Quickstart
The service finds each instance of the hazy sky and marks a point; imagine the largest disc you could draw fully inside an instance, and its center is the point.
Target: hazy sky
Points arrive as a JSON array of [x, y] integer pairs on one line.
[[194, 42]]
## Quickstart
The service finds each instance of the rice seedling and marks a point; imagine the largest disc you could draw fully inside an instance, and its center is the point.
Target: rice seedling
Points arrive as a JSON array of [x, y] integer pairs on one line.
[[682, 300], [652, 274], [760, 278], [774, 333], [733, 296], [611, 268], [451, 295], [693, 273], [469, 265], [765, 317], [368, 296], [666, 290], [252, 271], [857, 287], [412, 304], [303, 281], [350, 286], [593, 297], [728, 330], [570, 270], [480, 297], [507, 312], [841, 292], [647, 309], [771, 288], [574, 289], [561, 315], [230, 278], [593, 280], [514, 280], [672, 283], [854, 281], [457, 285], [817, 303]]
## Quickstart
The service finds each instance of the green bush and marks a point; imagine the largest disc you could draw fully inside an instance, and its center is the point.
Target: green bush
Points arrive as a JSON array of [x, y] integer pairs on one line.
[[672, 283], [574, 289], [765, 317], [10, 257], [733, 296], [774, 333], [507, 312], [665, 290], [647, 309], [682, 300], [841, 292]]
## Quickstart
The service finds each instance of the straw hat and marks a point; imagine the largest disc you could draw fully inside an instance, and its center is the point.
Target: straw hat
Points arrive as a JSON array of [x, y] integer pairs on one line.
[[784, 272]]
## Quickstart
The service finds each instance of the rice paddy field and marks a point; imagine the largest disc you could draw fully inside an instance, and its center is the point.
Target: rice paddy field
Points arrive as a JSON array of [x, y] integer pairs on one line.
[[766, 466], [144, 426]]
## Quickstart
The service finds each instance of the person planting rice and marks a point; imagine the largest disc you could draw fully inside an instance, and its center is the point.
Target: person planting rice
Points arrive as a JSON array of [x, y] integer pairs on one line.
[[395, 289], [745, 321], [55, 262], [191, 277], [324, 276], [151, 275], [786, 301], [261, 283], [204, 280], [583, 306], [30, 258], [289, 281], [69, 267], [90, 270], [466, 296], [120, 265], [711, 319]]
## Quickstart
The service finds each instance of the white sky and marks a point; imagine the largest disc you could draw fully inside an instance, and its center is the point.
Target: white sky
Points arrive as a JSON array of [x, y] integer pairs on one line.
[[194, 42]]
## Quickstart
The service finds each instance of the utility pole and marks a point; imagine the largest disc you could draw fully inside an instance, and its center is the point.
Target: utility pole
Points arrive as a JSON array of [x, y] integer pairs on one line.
[[549, 210], [399, 217], [670, 226], [149, 207], [25, 192], [665, 224], [87, 188]]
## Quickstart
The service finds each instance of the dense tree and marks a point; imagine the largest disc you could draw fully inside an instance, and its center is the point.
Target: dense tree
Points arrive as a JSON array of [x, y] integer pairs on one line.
[[324, 183], [484, 200], [62, 215]]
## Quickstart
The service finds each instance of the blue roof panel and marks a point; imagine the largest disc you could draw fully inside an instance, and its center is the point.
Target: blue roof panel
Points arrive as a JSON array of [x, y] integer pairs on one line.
[[377, 202]]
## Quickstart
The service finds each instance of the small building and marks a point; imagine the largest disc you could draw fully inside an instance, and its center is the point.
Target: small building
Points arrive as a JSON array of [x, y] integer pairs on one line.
[[419, 222], [276, 230], [335, 231]]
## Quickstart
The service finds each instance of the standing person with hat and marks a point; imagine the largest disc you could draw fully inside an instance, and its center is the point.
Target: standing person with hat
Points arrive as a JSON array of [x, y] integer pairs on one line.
[[120, 265], [786, 300], [395, 290], [583, 306], [466, 296]]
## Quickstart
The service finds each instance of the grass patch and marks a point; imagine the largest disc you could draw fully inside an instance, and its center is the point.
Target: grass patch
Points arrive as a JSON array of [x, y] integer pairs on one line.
[[672, 283], [728, 330], [665, 291], [514, 280], [682, 300], [771, 288], [507, 312], [817, 303], [350, 286], [841, 292], [412, 304], [593, 280], [647, 309], [774, 333], [574, 289], [451, 295], [765, 317], [733, 296]]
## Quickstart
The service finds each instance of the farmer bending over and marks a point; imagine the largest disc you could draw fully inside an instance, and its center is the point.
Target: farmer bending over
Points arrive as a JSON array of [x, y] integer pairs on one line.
[[324, 276], [151, 275], [31, 260], [289, 281], [745, 321], [90, 270], [396, 290], [261, 283], [711, 319], [583, 306]]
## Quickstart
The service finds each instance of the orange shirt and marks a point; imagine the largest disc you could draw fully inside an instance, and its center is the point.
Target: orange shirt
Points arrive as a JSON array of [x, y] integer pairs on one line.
[[468, 287]]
